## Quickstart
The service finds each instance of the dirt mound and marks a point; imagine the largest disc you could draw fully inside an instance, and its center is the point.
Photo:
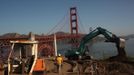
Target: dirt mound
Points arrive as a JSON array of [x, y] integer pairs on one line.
[[96, 67], [119, 68], [109, 68]]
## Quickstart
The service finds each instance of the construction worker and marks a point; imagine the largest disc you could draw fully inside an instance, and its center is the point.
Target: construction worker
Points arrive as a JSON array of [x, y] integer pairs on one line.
[[59, 61]]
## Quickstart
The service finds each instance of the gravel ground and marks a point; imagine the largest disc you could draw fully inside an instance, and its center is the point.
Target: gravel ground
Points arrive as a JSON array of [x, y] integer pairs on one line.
[[89, 68]]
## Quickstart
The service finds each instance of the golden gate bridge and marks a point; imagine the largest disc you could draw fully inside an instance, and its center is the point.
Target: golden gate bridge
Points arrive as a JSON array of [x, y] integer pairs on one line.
[[46, 41]]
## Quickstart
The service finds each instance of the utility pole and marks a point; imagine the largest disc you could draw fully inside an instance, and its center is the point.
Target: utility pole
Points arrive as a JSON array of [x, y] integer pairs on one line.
[[55, 44]]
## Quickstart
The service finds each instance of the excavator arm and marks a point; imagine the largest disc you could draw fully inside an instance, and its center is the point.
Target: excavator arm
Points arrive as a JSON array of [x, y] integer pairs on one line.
[[90, 36], [74, 54]]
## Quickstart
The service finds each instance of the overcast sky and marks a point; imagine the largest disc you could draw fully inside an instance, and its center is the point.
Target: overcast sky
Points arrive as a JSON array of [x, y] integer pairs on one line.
[[40, 16]]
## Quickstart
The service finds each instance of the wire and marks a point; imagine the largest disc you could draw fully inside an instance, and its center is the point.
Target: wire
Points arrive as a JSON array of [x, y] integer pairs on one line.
[[57, 25], [82, 26], [63, 26]]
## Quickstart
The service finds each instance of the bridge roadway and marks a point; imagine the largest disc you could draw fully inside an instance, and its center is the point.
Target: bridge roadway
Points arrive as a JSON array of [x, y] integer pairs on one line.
[[45, 42]]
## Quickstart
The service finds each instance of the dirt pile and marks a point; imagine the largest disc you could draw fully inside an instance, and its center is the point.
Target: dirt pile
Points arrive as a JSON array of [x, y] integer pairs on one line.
[[119, 68], [96, 68]]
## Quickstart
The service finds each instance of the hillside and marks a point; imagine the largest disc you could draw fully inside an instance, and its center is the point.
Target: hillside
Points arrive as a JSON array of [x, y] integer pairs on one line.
[[98, 38]]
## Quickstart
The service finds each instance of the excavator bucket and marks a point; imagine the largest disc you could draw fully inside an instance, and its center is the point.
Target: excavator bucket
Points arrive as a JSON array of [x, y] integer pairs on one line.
[[40, 65]]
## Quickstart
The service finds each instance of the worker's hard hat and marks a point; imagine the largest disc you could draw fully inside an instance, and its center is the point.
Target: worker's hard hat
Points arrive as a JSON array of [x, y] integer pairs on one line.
[[59, 54]]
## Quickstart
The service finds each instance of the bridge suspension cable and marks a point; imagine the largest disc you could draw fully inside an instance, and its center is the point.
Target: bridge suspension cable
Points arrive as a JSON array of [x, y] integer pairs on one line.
[[59, 26], [81, 26]]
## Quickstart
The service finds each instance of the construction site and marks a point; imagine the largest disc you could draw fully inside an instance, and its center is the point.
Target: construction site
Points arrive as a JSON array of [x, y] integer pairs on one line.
[[38, 54]]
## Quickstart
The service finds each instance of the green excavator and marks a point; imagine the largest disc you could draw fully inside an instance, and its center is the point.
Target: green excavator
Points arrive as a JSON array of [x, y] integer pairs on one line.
[[80, 53]]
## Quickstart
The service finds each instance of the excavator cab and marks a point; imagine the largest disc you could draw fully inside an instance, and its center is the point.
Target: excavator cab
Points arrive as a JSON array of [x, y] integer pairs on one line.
[[23, 58]]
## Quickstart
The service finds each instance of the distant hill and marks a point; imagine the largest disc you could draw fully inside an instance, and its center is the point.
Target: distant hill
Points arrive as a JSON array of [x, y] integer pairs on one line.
[[131, 36], [11, 35], [98, 38]]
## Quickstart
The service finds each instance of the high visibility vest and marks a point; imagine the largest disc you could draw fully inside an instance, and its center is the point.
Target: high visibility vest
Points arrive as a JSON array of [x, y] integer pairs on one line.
[[59, 60]]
